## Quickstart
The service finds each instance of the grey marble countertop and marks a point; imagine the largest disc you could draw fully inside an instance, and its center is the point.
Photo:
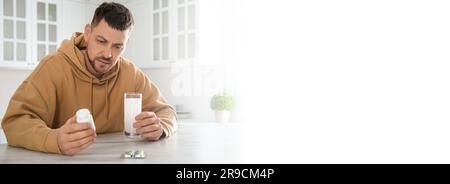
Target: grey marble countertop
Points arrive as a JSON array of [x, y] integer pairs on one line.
[[193, 143]]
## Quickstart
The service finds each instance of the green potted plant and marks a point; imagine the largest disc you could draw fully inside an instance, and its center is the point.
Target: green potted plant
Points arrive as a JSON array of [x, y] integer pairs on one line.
[[222, 104]]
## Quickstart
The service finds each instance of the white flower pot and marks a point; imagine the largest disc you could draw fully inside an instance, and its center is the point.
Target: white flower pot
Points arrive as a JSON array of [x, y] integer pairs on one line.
[[222, 116]]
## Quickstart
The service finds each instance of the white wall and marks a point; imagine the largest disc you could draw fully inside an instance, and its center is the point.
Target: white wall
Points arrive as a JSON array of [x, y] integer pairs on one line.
[[191, 88], [163, 78], [76, 14], [138, 47], [10, 80]]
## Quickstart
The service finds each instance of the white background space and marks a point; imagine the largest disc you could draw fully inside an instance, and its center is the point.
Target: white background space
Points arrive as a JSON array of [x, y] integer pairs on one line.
[[346, 81]]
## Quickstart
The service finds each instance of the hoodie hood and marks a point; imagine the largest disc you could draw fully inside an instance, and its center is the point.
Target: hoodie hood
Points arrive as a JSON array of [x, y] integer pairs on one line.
[[75, 51]]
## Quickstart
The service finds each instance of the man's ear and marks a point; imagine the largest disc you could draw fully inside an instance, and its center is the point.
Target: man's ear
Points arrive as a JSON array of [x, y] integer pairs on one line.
[[87, 31]]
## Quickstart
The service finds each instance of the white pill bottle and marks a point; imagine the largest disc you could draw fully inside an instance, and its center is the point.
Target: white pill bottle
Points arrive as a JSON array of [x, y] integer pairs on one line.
[[85, 116]]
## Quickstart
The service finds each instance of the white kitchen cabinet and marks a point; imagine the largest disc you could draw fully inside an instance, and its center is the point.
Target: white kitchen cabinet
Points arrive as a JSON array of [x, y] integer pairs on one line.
[[15, 34], [165, 32], [47, 25], [186, 32], [30, 30]]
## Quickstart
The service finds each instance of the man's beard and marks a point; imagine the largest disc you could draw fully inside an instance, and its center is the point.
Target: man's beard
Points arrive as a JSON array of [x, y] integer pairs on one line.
[[98, 59]]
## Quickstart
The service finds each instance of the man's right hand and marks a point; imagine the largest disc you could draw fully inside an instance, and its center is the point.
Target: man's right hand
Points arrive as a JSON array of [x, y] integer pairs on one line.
[[74, 137]]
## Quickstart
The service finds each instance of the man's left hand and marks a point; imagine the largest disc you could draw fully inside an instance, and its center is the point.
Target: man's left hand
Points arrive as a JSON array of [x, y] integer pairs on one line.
[[148, 125]]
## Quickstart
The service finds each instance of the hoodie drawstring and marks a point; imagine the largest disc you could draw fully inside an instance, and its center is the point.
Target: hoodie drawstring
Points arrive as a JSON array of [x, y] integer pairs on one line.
[[92, 95], [107, 99]]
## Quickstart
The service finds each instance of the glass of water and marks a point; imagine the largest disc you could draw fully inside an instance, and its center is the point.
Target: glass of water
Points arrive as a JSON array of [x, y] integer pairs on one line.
[[132, 107]]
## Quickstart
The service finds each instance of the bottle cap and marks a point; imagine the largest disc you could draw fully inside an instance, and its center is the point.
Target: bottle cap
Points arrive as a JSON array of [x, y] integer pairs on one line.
[[83, 116]]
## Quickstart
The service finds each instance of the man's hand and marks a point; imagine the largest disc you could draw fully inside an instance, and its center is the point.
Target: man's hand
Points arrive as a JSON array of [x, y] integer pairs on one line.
[[74, 137], [148, 125]]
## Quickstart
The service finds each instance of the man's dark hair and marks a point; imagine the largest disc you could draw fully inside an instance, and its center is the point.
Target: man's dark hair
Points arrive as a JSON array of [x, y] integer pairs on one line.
[[116, 15]]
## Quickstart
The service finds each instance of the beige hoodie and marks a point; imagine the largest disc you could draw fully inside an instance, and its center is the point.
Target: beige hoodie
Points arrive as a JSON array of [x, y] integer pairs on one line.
[[61, 84]]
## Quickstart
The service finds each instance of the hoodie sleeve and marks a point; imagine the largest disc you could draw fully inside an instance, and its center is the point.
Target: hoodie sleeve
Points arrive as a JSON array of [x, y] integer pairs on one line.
[[154, 101], [28, 111]]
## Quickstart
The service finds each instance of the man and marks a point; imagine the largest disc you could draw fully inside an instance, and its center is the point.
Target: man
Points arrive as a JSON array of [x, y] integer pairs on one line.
[[87, 71]]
